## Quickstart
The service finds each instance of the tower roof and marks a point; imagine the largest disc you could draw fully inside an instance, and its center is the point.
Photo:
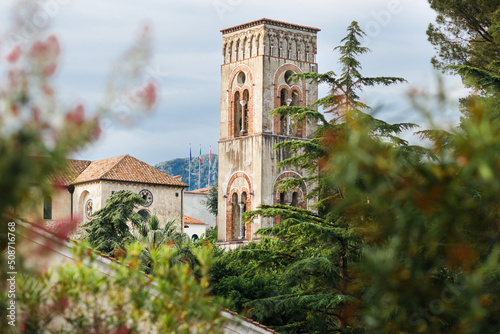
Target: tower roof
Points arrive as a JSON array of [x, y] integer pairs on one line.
[[269, 22]]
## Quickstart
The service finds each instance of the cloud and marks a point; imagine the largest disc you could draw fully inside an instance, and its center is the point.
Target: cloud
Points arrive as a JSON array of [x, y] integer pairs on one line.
[[187, 58]]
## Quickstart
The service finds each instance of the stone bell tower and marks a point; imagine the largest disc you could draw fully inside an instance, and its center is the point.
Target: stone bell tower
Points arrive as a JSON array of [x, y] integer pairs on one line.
[[258, 59]]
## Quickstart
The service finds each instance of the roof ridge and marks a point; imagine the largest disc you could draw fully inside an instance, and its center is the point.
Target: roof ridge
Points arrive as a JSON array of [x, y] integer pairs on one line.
[[116, 164]]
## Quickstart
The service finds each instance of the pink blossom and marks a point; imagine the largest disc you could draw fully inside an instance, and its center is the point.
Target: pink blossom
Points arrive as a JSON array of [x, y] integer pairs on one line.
[[48, 90], [50, 47], [97, 129], [14, 55], [64, 228], [36, 113], [38, 49], [53, 44], [148, 95], [50, 69], [77, 115]]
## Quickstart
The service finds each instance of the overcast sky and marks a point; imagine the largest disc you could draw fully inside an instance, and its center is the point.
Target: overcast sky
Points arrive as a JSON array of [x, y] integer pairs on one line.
[[187, 58]]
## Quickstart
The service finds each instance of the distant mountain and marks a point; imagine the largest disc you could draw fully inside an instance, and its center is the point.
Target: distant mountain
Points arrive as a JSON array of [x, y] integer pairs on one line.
[[179, 166]]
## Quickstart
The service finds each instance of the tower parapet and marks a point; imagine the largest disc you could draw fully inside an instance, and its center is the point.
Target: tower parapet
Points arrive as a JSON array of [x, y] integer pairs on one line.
[[267, 37]]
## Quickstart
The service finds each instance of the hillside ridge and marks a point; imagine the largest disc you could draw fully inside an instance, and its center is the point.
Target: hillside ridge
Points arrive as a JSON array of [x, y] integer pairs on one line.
[[179, 166]]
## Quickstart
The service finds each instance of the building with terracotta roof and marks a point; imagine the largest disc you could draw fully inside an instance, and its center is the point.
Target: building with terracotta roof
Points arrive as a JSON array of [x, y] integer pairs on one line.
[[194, 227], [195, 207], [86, 185]]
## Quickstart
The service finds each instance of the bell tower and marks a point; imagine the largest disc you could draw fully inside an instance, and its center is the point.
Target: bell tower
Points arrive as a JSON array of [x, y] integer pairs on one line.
[[258, 59]]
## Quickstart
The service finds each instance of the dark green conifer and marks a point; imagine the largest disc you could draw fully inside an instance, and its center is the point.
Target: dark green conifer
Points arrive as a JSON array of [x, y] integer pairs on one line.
[[108, 230]]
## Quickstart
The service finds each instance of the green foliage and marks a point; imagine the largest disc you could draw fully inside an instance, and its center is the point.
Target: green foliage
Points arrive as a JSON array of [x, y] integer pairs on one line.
[[151, 237], [38, 131], [79, 298], [311, 256], [466, 33], [431, 244], [236, 278], [209, 236], [344, 104], [467, 37], [212, 201], [108, 229]]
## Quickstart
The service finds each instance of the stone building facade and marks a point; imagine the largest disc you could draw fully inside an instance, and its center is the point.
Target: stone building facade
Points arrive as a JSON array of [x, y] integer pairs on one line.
[[258, 59], [86, 186]]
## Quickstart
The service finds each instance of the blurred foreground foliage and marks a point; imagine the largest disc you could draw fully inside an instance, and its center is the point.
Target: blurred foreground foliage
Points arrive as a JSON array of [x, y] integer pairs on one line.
[[92, 296], [38, 133], [404, 239]]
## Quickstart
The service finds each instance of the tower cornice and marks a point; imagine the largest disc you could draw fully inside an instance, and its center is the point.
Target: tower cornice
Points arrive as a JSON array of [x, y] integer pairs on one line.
[[276, 23]]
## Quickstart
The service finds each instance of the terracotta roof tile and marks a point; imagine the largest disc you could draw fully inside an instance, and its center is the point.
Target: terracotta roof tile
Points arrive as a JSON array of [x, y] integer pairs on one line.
[[203, 191], [72, 170], [126, 169], [189, 220]]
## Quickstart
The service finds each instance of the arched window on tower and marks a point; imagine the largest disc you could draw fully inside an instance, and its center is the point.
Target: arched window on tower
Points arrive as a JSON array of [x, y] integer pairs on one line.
[[257, 43], [283, 117], [244, 52], [282, 198], [243, 208], [237, 114], [244, 112], [293, 49], [252, 47], [292, 131], [235, 209], [284, 48], [236, 50], [295, 199]]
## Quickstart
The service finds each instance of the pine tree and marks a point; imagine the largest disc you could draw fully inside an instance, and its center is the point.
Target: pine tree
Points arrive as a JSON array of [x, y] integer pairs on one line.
[[318, 250], [436, 262], [467, 37], [211, 203], [108, 230]]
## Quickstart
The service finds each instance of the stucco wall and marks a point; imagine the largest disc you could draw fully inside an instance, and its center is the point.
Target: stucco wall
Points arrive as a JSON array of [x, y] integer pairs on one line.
[[195, 207], [167, 200], [61, 206], [195, 229], [83, 193]]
